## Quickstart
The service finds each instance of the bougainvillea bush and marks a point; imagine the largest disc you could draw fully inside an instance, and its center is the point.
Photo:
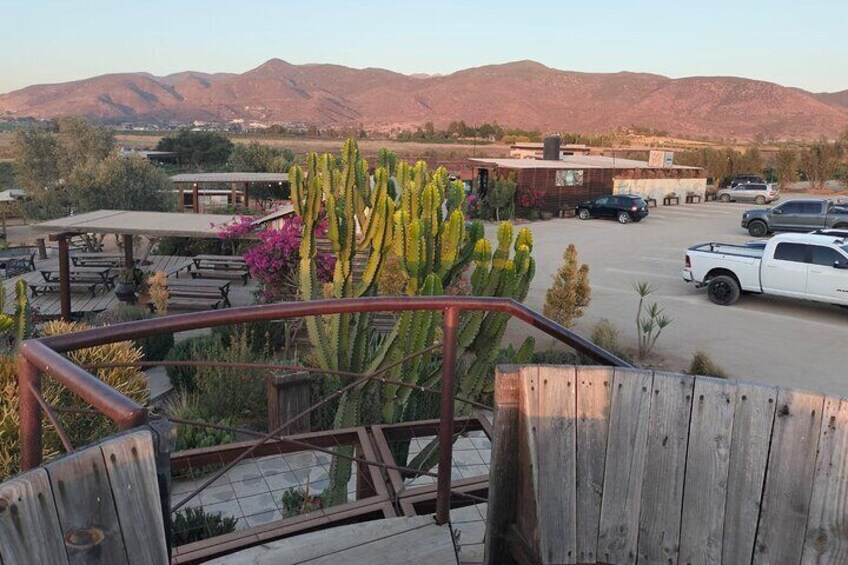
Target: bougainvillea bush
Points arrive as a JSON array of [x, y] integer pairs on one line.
[[273, 261], [529, 198]]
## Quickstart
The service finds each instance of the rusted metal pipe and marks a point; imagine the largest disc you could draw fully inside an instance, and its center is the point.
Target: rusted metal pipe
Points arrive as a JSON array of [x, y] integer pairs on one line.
[[269, 312], [30, 413], [54, 419], [443, 481], [117, 407]]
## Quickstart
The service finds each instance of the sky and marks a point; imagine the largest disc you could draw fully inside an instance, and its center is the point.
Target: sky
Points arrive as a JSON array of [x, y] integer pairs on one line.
[[791, 43]]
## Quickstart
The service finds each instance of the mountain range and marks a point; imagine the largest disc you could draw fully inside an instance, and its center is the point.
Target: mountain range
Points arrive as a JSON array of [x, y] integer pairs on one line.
[[521, 94]]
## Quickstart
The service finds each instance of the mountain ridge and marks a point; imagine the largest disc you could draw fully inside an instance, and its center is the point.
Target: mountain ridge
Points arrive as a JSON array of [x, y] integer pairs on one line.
[[523, 94]]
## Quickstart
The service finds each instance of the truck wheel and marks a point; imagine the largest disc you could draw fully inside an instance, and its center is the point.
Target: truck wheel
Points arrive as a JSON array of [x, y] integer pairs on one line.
[[623, 217], [723, 290], [725, 198], [583, 214], [760, 199], [757, 228]]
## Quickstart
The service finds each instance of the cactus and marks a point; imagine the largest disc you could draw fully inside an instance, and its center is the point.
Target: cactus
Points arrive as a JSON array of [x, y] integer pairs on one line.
[[425, 231], [18, 326]]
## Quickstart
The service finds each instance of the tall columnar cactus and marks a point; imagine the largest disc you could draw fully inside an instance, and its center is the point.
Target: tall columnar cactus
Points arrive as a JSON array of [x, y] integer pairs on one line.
[[425, 229]]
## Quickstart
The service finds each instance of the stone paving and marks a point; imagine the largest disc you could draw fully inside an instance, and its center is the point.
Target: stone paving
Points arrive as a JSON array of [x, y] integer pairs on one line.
[[252, 491]]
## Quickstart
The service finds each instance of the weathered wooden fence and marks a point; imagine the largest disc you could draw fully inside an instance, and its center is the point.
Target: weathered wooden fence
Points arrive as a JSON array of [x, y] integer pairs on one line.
[[98, 505], [603, 465]]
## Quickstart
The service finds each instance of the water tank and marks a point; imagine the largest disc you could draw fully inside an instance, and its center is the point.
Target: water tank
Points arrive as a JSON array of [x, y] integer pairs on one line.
[[550, 149]]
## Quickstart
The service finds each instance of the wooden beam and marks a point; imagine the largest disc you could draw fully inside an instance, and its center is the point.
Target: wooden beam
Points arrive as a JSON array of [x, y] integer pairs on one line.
[[64, 277], [195, 203], [129, 261]]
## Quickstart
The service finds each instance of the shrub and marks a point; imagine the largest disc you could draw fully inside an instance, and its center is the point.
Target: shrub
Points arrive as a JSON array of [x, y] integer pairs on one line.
[[605, 335], [193, 524], [157, 286], [82, 429], [264, 338], [570, 292], [198, 347], [155, 347], [297, 501], [557, 357], [188, 246], [187, 407], [702, 364], [239, 393]]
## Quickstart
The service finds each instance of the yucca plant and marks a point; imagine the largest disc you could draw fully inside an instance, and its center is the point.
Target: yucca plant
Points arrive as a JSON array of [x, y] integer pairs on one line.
[[650, 319]]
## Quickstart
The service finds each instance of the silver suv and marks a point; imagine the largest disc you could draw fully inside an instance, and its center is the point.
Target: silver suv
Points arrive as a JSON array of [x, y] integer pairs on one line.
[[758, 192]]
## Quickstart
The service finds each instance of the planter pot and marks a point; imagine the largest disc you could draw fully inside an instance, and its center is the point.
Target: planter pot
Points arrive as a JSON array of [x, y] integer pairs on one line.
[[125, 291], [546, 215]]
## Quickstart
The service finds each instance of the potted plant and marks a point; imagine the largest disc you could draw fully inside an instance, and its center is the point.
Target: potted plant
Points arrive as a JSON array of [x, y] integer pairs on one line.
[[128, 284]]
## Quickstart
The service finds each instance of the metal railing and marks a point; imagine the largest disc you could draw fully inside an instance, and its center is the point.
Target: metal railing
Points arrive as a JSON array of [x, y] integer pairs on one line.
[[45, 356]]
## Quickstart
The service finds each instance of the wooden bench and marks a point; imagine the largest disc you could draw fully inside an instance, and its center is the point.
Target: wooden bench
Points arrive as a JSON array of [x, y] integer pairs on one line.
[[693, 198], [667, 201], [671, 468], [97, 260], [48, 287], [651, 202], [223, 262], [194, 302], [198, 288], [103, 275], [99, 505], [709, 196], [220, 274]]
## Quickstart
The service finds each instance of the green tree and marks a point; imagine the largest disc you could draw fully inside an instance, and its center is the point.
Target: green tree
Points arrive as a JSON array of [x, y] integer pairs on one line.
[[257, 158], [83, 144], [7, 176], [820, 161], [119, 183], [37, 155], [198, 148], [501, 194], [570, 293], [786, 166]]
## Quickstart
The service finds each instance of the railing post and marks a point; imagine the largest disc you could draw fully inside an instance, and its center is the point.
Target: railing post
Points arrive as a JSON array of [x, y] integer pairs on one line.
[[30, 413], [443, 482]]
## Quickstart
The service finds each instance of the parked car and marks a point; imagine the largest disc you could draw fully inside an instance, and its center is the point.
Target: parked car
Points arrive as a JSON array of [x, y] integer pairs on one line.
[[796, 215], [760, 193], [746, 178], [809, 266], [623, 207]]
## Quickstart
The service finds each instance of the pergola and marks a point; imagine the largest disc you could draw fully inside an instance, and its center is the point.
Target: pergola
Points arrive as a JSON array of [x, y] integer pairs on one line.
[[192, 181], [129, 224]]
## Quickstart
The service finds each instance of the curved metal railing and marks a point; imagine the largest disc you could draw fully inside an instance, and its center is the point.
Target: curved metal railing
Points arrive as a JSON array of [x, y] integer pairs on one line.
[[45, 356]]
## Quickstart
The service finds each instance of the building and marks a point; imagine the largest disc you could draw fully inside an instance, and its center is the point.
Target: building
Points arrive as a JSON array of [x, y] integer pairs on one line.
[[575, 178], [535, 150]]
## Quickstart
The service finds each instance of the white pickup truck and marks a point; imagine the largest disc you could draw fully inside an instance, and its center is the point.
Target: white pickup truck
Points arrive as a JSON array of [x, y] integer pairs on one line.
[[809, 266]]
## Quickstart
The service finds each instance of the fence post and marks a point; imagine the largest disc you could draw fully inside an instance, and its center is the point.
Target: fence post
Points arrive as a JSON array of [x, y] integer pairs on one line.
[[30, 413], [443, 481], [503, 474], [164, 433], [289, 395]]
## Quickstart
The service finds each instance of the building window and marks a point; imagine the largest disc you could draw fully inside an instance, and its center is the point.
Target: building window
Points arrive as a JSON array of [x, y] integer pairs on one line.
[[569, 178]]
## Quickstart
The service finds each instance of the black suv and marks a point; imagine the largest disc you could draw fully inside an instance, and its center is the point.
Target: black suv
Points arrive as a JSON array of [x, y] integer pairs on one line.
[[623, 207], [746, 178]]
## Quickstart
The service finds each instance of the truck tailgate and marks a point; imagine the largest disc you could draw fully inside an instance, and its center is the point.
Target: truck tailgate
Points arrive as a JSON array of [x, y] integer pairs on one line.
[[741, 260]]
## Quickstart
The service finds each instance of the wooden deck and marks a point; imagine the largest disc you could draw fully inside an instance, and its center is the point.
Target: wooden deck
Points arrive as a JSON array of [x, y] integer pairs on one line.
[[394, 541], [83, 303]]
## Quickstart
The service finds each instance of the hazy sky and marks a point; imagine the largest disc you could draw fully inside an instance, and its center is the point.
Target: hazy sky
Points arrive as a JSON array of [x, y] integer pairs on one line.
[[791, 43]]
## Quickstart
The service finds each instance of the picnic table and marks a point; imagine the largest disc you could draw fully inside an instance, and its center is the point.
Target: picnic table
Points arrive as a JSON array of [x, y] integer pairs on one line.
[[97, 260], [200, 289], [102, 275], [693, 198], [220, 267]]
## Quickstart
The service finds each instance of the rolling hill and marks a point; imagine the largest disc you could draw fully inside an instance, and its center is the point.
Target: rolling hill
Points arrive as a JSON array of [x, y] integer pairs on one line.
[[522, 94]]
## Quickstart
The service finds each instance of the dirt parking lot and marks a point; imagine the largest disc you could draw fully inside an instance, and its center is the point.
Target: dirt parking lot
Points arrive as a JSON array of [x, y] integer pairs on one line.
[[769, 340]]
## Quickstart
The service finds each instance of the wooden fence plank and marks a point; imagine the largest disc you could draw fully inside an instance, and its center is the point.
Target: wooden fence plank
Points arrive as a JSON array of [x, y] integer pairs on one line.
[[593, 406], [827, 526], [625, 464], [29, 526], [556, 467], [662, 487], [132, 474], [753, 417], [707, 465], [526, 504], [86, 509], [503, 476], [789, 478]]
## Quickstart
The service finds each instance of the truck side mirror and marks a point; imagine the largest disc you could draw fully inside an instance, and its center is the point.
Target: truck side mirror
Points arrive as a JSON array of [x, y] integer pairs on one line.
[[840, 265]]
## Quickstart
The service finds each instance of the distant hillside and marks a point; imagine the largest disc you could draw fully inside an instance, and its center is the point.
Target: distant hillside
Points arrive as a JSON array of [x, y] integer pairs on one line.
[[521, 94]]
